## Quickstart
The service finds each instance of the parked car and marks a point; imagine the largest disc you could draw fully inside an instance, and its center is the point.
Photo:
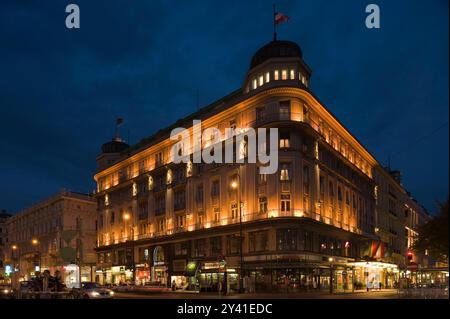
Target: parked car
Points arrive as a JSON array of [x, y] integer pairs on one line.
[[6, 292], [124, 287], [92, 290]]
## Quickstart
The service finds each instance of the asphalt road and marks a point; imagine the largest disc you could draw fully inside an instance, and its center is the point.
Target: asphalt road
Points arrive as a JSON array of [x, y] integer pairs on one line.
[[387, 294]]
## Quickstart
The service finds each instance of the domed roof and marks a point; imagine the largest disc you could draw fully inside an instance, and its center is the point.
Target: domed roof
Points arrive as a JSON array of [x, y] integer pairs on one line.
[[115, 146], [276, 49]]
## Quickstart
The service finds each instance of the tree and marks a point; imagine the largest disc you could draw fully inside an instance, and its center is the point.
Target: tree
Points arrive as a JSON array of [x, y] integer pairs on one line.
[[433, 236]]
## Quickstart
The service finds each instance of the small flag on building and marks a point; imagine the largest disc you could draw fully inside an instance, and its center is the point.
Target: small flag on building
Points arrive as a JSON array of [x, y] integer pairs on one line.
[[280, 18]]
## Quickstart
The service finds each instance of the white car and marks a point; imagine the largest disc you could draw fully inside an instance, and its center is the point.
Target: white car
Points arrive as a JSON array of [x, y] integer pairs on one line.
[[92, 290]]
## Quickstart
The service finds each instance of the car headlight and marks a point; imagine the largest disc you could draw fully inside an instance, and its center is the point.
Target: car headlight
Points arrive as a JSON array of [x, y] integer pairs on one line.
[[95, 294], [111, 293]]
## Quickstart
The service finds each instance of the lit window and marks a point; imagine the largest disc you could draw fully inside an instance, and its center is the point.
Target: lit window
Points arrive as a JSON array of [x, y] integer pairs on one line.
[[284, 173], [284, 75], [303, 79], [276, 75], [285, 202], [292, 75], [284, 140], [299, 76], [261, 80], [255, 84], [267, 77]]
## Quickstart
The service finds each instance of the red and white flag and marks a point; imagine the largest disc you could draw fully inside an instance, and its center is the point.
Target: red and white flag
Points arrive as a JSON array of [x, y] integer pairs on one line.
[[280, 18]]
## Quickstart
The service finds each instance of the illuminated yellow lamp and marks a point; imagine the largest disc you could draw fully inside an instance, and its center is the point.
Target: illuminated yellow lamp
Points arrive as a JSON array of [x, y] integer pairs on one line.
[[234, 184], [14, 247], [191, 228], [126, 216], [273, 214], [331, 259], [298, 213], [34, 241], [224, 222], [208, 225]]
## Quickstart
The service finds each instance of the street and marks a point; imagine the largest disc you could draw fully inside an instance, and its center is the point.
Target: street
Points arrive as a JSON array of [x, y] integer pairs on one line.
[[384, 294]]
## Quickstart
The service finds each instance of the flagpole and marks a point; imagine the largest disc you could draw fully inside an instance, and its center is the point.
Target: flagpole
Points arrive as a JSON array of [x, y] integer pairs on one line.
[[274, 24]]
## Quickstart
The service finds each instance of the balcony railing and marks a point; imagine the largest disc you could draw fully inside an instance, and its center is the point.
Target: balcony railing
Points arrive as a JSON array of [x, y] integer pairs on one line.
[[246, 217]]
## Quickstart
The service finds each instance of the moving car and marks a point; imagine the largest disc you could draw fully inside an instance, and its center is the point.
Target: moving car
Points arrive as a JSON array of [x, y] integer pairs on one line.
[[6, 292], [92, 290]]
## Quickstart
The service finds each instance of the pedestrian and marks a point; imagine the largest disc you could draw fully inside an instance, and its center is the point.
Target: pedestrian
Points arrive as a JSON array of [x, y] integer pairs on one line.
[[174, 285], [46, 280], [287, 283]]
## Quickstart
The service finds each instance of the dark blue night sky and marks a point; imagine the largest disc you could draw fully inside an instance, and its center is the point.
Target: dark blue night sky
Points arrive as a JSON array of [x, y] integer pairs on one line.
[[61, 89]]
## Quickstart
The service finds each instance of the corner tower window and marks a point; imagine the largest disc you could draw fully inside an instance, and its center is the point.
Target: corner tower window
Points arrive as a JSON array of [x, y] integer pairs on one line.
[[255, 84], [284, 74], [261, 80], [267, 77], [276, 75], [292, 75]]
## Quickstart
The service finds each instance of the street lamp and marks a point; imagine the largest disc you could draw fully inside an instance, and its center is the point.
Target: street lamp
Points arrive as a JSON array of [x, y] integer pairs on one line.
[[331, 260], [235, 185]]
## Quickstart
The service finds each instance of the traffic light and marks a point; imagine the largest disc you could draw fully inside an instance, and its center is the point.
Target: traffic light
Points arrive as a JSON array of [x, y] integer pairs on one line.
[[410, 255]]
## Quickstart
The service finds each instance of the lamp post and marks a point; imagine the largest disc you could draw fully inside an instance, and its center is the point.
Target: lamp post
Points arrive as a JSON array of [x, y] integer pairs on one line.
[[331, 260], [35, 243], [126, 217], [236, 186]]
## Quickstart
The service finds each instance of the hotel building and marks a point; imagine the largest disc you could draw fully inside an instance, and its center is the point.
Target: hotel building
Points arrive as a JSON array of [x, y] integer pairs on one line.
[[331, 213], [52, 234]]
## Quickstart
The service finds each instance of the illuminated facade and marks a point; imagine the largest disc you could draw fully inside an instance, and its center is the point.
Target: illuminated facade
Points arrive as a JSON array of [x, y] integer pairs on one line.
[[325, 207], [52, 234]]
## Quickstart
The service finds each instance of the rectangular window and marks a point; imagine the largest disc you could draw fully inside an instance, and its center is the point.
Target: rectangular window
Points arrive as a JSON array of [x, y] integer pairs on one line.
[[284, 74], [216, 214], [285, 110], [234, 211], [216, 246], [161, 224], [285, 202], [261, 80], [263, 205], [292, 75], [181, 249], [143, 210], [233, 244], [255, 84], [260, 114], [180, 200], [200, 247], [306, 182], [285, 173], [267, 77], [284, 140], [199, 194], [215, 189], [160, 204], [287, 239], [181, 221], [258, 241], [159, 159], [276, 75]]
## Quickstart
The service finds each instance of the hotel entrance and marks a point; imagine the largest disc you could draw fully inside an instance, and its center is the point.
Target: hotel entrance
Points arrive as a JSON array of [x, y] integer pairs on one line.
[[375, 275]]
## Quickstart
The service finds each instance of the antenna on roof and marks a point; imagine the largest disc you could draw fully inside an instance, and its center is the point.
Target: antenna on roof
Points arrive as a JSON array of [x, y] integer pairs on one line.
[[119, 123]]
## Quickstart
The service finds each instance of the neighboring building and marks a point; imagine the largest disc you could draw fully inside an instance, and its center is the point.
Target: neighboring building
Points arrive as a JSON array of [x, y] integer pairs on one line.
[[3, 243], [329, 205], [54, 233]]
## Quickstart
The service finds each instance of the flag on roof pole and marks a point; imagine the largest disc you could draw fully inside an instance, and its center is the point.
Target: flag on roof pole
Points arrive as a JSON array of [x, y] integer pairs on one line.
[[277, 19], [280, 18]]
